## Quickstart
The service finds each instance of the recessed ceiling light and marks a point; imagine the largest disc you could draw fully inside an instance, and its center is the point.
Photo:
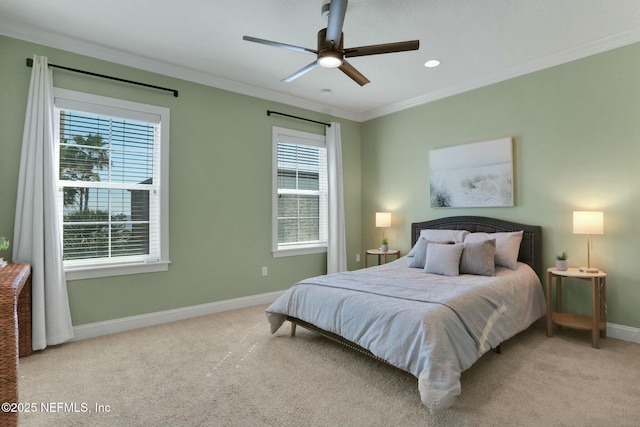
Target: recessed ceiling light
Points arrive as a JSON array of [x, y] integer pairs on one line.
[[325, 92], [432, 63]]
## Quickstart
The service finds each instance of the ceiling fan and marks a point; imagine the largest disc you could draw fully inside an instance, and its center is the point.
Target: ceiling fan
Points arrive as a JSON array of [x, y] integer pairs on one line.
[[331, 53]]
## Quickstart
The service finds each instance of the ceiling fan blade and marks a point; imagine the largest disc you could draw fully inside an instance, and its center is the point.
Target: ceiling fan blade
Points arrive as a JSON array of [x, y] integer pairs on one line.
[[354, 74], [337, 11], [282, 45], [300, 72], [376, 49]]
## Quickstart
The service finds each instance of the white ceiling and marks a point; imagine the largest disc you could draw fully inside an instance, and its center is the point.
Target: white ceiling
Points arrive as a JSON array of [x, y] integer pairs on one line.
[[478, 42]]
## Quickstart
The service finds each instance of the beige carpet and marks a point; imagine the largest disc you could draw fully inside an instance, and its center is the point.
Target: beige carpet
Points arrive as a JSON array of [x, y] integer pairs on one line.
[[226, 369]]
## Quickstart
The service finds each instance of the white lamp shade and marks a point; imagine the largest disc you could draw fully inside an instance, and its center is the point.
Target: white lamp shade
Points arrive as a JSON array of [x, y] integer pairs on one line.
[[383, 219], [588, 222]]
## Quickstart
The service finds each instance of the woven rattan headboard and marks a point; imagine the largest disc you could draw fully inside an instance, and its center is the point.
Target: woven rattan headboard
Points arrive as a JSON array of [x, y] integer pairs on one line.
[[530, 248]]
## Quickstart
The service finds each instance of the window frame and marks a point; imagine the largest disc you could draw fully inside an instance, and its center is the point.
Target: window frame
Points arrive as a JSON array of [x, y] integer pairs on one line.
[[85, 269], [299, 138]]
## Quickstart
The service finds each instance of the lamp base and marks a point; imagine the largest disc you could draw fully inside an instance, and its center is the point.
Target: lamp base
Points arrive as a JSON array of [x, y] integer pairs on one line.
[[589, 269]]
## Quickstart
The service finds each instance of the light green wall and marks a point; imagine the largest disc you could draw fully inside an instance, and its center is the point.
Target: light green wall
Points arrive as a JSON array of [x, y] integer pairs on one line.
[[220, 188], [577, 147], [577, 144]]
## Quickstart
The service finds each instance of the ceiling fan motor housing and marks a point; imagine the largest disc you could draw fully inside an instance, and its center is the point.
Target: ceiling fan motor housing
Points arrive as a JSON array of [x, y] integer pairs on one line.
[[329, 56]]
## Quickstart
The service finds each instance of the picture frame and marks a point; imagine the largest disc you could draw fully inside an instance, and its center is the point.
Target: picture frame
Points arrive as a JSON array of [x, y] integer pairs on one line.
[[478, 174]]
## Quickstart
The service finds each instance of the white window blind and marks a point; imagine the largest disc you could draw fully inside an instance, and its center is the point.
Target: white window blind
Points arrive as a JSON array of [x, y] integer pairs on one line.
[[110, 184], [300, 191]]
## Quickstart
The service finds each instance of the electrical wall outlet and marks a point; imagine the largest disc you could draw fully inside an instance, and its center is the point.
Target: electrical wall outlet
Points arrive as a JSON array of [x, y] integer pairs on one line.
[[357, 257], [265, 272]]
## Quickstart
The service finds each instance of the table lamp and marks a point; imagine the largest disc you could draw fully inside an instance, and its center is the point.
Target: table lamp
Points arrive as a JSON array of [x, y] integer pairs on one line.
[[383, 220], [588, 222]]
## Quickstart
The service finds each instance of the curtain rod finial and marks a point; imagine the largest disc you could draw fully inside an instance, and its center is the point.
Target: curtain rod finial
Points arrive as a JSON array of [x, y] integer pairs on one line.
[[29, 62]]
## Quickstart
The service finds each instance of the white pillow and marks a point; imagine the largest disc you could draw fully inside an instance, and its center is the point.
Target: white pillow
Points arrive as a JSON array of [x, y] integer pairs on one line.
[[479, 258], [441, 236], [437, 235], [443, 259], [507, 246], [419, 253]]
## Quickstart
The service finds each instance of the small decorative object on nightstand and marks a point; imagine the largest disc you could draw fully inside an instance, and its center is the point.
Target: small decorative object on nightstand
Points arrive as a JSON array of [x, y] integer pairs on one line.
[[561, 261], [381, 254], [597, 323], [385, 245]]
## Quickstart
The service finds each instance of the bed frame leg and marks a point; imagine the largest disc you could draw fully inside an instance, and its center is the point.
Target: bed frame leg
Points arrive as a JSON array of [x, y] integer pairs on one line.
[[293, 329], [498, 349]]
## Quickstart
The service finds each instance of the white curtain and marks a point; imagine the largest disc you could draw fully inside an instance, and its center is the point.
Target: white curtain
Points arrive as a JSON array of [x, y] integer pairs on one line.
[[36, 234], [336, 245]]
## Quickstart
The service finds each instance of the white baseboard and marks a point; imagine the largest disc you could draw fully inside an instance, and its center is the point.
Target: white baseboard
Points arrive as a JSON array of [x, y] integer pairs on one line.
[[625, 333], [97, 329]]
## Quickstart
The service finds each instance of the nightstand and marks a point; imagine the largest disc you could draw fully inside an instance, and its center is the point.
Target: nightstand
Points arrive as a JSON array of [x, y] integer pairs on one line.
[[597, 323], [380, 254]]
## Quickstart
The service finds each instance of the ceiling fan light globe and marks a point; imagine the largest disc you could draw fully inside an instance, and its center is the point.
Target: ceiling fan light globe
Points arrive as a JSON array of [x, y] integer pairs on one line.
[[330, 60]]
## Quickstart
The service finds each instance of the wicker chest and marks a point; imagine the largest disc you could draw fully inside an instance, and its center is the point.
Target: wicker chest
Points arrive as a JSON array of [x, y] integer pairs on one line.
[[15, 332]]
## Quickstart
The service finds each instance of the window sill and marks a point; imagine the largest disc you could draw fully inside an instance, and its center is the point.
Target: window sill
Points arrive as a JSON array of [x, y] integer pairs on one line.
[[79, 273], [299, 251]]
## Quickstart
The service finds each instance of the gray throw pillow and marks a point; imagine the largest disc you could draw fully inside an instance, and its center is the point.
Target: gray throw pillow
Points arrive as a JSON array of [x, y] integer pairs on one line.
[[478, 258], [443, 259], [507, 246]]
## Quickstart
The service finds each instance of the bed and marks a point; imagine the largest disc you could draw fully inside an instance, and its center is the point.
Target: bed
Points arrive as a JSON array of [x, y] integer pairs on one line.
[[468, 284]]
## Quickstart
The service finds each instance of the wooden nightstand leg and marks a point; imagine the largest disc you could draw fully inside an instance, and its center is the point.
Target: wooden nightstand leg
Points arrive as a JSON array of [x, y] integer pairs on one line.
[[558, 293], [603, 306], [595, 312], [549, 322]]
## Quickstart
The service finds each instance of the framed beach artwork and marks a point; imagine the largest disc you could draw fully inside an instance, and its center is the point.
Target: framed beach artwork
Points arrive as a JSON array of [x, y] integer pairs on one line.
[[472, 175]]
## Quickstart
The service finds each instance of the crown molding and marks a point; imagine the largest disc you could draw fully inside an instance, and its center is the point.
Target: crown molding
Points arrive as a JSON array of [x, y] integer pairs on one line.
[[568, 55], [57, 41], [54, 40]]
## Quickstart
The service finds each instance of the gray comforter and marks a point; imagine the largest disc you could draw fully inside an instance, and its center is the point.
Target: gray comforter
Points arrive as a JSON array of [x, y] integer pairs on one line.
[[432, 326]]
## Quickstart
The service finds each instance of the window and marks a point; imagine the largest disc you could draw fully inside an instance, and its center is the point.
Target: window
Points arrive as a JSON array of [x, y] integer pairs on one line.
[[299, 193], [112, 158]]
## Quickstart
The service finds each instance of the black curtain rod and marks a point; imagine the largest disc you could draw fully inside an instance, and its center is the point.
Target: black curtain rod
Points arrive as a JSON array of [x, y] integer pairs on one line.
[[269, 112], [175, 92]]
